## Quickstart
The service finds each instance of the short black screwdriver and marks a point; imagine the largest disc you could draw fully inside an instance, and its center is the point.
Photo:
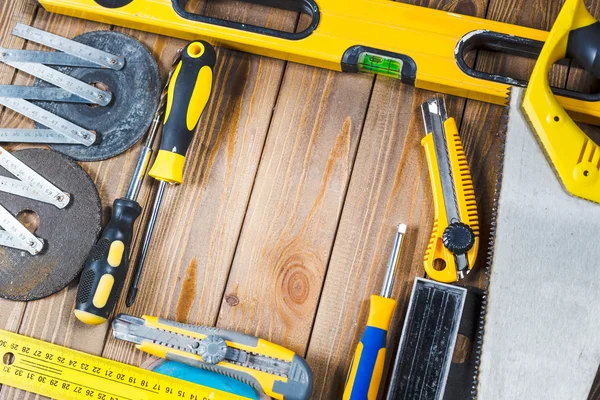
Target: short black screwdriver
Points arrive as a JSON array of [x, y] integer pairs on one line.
[[187, 99]]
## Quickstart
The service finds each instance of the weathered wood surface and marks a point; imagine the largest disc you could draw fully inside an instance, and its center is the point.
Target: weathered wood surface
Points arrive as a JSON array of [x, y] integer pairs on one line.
[[292, 190]]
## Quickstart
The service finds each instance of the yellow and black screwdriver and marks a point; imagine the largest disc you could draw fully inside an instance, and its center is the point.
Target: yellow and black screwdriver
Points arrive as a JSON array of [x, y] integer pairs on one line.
[[198, 60], [186, 96]]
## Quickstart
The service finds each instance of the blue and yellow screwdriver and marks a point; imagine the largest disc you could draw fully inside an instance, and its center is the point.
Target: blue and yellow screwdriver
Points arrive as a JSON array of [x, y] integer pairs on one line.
[[366, 369]]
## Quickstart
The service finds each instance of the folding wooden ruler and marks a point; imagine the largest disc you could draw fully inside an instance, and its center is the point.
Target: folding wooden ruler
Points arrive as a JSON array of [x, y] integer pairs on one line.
[[418, 45]]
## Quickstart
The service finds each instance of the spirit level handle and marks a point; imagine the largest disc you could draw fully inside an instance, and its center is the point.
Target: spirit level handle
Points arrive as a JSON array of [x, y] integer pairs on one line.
[[107, 264], [366, 369], [189, 91]]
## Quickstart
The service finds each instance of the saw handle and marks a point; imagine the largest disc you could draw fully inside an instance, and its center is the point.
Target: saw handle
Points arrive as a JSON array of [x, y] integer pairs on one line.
[[106, 268], [574, 156], [188, 94]]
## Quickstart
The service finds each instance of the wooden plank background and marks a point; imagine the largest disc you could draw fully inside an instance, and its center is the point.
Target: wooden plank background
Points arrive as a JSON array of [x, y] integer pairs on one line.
[[292, 192]]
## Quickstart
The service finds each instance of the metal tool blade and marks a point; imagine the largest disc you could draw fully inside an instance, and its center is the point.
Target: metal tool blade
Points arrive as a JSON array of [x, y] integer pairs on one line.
[[46, 136], [66, 82], [99, 57], [45, 57], [434, 115], [16, 231], [543, 315], [7, 240], [40, 93], [23, 189], [50, 120], [38, 184], [136, 88]]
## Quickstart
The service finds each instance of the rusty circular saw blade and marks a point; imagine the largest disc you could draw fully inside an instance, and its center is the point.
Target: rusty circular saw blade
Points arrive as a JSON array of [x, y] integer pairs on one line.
[[69, 233], [135, 90]]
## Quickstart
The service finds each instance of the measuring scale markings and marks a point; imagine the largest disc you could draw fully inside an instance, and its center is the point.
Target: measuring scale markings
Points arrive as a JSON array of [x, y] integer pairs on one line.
[[17, 231], [99, 57], [59, 372], [38, 183], [48, 136], [50, 120], [64, 81]]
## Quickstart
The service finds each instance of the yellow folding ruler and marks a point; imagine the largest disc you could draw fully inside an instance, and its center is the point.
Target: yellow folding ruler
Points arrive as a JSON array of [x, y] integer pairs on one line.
[[61, 373], [418, 45]]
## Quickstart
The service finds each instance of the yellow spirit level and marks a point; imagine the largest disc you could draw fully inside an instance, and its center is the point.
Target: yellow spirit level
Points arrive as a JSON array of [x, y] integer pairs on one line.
[[418, 45]]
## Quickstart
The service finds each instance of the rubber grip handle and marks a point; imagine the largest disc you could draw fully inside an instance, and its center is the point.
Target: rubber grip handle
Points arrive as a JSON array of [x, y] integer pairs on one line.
[[106, 268], [367, 365], [584, 47], [188, 93]]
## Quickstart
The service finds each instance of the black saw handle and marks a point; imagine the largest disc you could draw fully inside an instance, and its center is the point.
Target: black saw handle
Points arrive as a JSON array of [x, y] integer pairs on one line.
[[584, 45], [107, 264]]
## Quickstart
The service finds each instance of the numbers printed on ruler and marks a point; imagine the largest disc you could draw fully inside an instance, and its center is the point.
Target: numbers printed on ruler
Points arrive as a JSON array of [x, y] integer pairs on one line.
[[58, 372], [17, 231], [56, 42], [38, 183], [64, 81], [50, 120]]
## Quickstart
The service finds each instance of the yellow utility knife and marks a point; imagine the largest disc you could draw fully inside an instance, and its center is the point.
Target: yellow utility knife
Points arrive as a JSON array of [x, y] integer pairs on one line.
[[454, 243], [266, 367]]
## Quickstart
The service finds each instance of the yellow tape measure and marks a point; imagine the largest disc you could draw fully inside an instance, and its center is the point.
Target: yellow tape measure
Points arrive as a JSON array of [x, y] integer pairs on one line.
[[61, 373]]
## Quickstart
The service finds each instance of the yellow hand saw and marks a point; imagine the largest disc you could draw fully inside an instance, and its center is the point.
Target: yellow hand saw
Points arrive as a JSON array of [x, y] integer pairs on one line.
[[418, 45]]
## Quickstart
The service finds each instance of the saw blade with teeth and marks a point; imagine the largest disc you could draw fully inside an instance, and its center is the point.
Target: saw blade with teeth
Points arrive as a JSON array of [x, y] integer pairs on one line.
[[541, 310]]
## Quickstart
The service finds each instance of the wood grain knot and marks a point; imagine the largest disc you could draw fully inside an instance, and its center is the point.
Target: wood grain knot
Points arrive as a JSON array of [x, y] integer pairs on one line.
[[232, 300], [297, 283], [298, 287]]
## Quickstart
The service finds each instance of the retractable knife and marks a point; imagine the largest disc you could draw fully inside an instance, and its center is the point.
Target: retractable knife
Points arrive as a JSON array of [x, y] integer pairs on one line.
[[452, 249], [266, 367]]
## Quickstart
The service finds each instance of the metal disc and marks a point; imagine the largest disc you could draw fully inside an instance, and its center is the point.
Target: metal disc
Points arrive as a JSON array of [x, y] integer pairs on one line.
[[69, 233], [135, 89]]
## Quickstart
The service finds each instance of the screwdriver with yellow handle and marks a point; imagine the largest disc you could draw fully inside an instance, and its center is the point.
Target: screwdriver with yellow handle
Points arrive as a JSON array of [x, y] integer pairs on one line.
[[188, 90], [366, 369]]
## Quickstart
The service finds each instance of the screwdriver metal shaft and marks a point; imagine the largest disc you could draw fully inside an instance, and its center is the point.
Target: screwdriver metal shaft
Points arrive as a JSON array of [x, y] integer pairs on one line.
[[143, 252], [188, 93]]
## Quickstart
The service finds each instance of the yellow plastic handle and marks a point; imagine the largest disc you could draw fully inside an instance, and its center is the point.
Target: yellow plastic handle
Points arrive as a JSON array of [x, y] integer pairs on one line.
[[439, 262], [575, 157], [188, 94]]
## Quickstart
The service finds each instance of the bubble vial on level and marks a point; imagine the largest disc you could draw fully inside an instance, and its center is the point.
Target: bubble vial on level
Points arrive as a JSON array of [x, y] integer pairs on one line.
[[381, 65]]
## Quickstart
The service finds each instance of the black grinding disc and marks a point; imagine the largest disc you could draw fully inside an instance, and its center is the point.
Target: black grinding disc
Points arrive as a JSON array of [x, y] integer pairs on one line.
[[135, 94], [69, 233]]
